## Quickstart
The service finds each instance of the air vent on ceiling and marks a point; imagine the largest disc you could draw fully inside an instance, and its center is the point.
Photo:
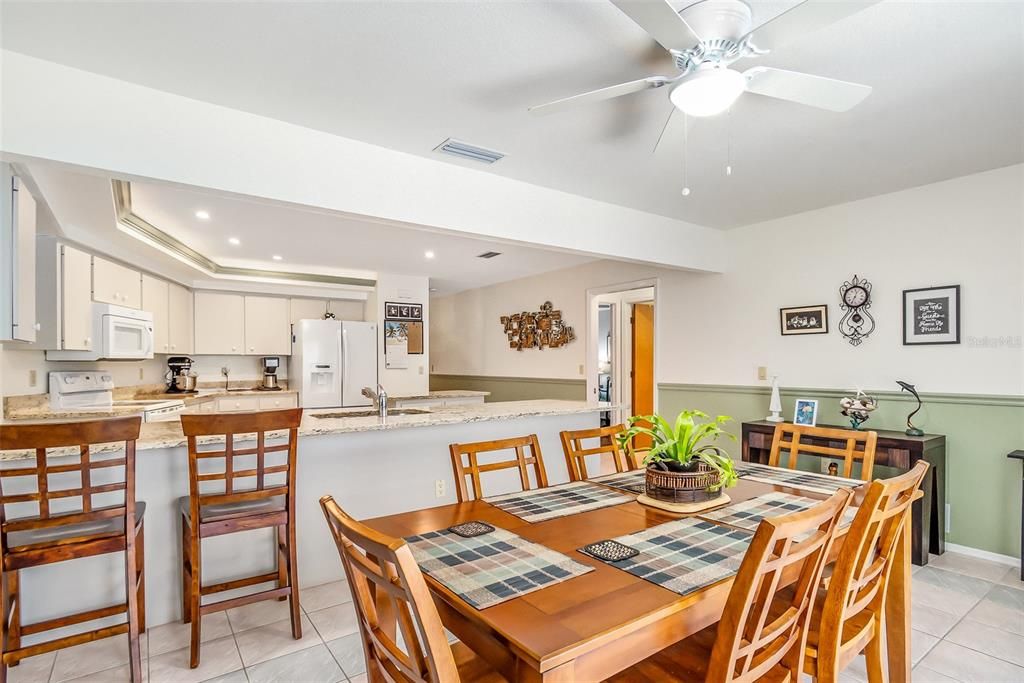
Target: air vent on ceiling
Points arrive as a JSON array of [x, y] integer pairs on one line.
[[467, 151], [489, 254]]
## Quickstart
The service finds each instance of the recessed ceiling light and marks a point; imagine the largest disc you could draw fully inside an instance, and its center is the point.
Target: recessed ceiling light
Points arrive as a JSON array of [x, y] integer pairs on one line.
[[276, 257], [203, 215], [428, 254], [234, 240]]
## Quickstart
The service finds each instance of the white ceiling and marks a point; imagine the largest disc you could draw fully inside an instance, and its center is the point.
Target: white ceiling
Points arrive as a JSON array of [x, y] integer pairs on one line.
[[319, 242], [947, 97]]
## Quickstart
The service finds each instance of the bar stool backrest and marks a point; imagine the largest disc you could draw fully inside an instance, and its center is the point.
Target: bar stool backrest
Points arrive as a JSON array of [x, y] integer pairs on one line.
[[472, 467], [576, 452]]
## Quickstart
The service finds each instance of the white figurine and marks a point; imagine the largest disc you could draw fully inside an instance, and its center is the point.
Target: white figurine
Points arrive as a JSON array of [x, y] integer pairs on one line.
[[775, 404]]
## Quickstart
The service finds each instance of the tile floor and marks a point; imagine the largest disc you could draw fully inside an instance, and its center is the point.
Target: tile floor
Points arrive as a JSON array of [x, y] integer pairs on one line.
[[968, 619]]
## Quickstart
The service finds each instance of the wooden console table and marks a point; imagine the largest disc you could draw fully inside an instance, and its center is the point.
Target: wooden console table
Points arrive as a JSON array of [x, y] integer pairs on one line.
[[895, 449], [1019, 455]]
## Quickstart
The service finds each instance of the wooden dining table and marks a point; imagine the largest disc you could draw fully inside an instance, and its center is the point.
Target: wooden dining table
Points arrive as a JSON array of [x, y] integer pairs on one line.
[[590, 627]]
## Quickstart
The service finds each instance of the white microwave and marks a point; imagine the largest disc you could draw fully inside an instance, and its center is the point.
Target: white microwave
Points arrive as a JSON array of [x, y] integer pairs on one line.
[[118, 333]]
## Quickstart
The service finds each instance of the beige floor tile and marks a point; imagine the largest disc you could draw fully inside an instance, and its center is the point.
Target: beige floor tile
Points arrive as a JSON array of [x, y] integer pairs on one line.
[[325, 595], [349, 653], [920, 644], [218, 657], [334, 622], [948, 591], [120, 674], [176, 635], [990, 640], [1012, 578], [98, 655], [274, 640], [233, 677], [922, 674], [971, 566], [257, 614], [1003, 608], [361, 678], [312, 665], [965, 664], [33, 669], [930, 620]]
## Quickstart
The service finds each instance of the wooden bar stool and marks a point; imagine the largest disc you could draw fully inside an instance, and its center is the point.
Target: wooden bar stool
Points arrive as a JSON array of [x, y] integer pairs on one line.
[[856, 446], [61, 530], [576, 453], [472, 468], [267, 499]]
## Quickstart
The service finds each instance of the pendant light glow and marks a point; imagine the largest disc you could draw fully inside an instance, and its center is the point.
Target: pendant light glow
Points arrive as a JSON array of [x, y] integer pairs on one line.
[[708, 91]]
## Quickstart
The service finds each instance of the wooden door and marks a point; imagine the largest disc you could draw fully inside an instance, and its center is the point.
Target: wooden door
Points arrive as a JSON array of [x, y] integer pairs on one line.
[[267, 329], [155, 300], [76, 300], [180, 317], [642, 373], [220, 324]]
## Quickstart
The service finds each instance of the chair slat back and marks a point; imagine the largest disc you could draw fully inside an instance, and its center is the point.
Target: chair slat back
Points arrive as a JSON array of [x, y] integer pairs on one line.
[[33, 483], [227, 474], [749, 643], [853, 446], [387, 584], [471, 467], [860, 577], [576, 452]]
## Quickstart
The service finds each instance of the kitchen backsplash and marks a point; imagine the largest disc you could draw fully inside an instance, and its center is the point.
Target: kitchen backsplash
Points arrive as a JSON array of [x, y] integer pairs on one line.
[[19, 364]]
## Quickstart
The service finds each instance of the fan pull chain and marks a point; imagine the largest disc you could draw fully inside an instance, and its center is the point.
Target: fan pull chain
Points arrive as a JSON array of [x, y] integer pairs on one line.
[[686, 153], [728, 142]]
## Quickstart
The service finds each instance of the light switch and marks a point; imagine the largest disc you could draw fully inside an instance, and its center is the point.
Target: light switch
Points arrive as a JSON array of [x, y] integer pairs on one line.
[[762, 372], [32, 378], [582, 371]]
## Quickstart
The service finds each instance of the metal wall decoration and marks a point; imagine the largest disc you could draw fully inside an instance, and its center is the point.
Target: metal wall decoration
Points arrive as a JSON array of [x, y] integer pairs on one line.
[[538, 329], [855, 299]]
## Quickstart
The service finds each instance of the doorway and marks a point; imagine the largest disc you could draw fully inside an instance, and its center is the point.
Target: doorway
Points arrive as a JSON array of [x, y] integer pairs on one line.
[[642, 363]]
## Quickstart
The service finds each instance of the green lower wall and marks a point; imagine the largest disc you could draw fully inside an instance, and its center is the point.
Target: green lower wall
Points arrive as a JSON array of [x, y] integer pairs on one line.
[[983, 487], [513, 388]]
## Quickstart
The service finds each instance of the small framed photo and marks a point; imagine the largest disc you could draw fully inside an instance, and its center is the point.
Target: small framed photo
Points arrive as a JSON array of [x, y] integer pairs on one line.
[[806, 412], [931, 315], [804, 320]]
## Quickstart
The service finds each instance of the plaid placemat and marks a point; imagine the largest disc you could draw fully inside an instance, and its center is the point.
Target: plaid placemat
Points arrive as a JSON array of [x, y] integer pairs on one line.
[[749, 513], [558, 501], [632, 481], [490, 569], [821, 483], [686, 554]]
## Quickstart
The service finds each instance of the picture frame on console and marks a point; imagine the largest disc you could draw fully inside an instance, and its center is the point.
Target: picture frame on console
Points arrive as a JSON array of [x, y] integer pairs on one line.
[[805, 413]]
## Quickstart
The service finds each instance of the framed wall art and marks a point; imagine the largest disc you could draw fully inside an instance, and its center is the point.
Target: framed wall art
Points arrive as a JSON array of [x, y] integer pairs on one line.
[[398, 311], [931, 315], [804, 320]]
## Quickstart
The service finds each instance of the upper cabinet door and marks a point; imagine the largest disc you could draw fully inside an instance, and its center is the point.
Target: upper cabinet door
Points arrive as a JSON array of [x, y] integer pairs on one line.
[[307, 309], [220, 323], [180, 335], [346, 309], [112, 283], [267, 328], [75, 300], [155, 300], [24, 318]]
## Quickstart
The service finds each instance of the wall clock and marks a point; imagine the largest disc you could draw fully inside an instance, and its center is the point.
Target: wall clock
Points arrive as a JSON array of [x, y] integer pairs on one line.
[[855, 299]]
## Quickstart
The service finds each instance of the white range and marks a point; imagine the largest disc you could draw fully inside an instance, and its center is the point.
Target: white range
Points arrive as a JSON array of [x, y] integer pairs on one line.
[[94, 390]]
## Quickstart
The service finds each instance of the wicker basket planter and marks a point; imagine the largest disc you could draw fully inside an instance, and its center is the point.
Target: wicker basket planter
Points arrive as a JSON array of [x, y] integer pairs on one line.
[[683, 487]]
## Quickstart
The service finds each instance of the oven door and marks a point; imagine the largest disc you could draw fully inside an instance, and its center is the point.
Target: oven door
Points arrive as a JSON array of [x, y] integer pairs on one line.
[[126, 338]]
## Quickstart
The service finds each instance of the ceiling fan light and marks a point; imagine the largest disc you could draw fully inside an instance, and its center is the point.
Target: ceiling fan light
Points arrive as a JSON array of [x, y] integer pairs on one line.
[[708, 91]]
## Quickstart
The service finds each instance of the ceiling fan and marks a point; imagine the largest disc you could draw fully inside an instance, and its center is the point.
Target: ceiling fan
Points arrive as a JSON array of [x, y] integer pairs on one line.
[[706, 38]]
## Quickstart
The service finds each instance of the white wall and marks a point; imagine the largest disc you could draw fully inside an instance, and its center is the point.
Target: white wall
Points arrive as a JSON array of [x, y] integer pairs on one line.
[[717, 328], [415, 379]]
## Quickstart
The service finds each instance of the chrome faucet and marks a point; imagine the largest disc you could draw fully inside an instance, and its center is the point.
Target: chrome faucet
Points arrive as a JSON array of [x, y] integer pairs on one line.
[[379, 398]]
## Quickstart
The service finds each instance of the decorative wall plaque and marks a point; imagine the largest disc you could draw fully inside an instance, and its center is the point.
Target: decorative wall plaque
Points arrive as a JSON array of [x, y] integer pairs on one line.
[[538, 329]]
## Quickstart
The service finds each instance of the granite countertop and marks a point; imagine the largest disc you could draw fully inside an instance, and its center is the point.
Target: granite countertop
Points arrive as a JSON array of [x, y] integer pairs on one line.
[[169, 434]]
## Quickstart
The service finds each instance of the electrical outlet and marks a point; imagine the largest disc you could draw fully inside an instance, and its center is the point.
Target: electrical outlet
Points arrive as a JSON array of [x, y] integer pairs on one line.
[[949, 517], [582, 371], [224, 370], [439, 488], [140, 373], [32, 378], [762, 372], [421, 369]]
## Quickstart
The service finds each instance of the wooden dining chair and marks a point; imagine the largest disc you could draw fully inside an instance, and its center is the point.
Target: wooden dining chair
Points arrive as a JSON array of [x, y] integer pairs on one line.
[[576, 452], [389, 591], [471, 467], [757, 639], [95, 513], [851, 446], [849, 616], [218, 503]]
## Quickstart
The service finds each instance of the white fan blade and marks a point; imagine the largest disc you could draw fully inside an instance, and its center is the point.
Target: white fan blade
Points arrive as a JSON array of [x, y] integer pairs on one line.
[[602, 94], [661, 21], [814, 91], [808, 16]]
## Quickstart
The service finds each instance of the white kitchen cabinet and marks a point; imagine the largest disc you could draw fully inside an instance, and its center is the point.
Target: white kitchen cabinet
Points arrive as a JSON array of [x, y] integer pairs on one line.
[[346, 309], [75, 300], [279, 401], [113, 283], [267, 331], [306, 309], [220, 323], [155, 299], [17, 260], [180, 317], [234, 404]]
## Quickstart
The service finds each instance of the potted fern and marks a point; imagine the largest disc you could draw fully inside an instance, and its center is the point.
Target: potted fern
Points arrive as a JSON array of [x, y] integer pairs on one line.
[[684, 465]]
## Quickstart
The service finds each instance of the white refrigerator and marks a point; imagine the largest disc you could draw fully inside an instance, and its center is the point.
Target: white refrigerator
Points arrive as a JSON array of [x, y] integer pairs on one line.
[[331, 362]]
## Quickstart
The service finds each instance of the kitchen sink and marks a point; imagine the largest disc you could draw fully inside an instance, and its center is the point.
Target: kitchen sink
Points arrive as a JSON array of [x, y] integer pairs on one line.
[[372, 413]]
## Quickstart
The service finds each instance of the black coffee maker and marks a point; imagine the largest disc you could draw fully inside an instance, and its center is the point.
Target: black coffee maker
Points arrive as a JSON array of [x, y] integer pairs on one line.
[[179, 376]]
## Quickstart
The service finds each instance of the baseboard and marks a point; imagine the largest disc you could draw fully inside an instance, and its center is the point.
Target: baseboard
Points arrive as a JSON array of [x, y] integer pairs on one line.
[[1008, 560]]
